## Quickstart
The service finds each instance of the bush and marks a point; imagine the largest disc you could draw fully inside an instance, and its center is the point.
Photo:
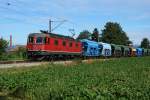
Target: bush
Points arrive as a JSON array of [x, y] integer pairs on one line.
[[20, 54]]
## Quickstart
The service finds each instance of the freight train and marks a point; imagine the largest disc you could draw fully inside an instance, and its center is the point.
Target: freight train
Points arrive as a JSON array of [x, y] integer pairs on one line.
[[49, 46]]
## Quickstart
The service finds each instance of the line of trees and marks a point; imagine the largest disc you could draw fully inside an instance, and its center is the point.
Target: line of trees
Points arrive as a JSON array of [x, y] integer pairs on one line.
[[112, 33]]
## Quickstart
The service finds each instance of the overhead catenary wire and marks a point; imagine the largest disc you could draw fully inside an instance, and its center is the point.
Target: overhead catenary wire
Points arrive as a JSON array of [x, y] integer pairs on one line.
[[22, 20], [14, 9], [61, 22], [71, 30]]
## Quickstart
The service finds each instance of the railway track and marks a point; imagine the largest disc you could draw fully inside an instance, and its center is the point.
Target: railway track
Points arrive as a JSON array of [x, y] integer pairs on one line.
[[20, 63], [25, 61], [13, 61], [28, 63]]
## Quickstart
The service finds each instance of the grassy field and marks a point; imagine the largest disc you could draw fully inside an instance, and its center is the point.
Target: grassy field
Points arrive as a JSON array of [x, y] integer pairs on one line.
[[125, 78]]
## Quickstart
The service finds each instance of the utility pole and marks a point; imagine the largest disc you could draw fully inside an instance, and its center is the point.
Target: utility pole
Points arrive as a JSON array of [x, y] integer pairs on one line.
[[10, 41], [50, 26], [57, 26]]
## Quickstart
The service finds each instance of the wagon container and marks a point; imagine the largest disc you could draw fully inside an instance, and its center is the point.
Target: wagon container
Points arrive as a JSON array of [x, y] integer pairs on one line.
[[139, 52], [116, 50], [106, 49], [125, 50], [132, 51], [90, 48]]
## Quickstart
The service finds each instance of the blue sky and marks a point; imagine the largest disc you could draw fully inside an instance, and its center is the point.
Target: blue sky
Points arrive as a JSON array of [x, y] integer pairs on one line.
[[22, 17]]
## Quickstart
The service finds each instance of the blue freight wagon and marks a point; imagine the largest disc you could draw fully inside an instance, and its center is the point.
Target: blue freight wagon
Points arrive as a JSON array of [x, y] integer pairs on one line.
[[90, 48], [106, 49], [139, 52]]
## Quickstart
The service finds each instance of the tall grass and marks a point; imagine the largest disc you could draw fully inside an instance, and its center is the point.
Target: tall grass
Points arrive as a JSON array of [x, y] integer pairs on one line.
[[125, 78]]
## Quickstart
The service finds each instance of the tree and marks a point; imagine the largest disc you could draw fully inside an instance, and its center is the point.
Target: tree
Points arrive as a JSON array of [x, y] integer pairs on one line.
[[145, 43], [95, 35], [113, 33], [84, 35], [3, 45]]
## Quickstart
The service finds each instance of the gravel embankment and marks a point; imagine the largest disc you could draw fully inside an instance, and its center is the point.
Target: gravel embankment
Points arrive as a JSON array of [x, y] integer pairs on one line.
[[30, 64], [21, 64]]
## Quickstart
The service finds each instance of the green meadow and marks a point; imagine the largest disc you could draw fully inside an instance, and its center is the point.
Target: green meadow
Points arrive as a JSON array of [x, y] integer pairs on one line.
[[117, 79]]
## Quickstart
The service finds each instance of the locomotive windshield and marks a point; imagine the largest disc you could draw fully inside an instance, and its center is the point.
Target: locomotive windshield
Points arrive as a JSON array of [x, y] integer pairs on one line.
[[39, 40]]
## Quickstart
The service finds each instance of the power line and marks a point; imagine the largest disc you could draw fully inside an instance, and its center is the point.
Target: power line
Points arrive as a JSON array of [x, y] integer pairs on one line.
[[71, 30], [14, 3], [57, 26], [12, 8], [14, 11], [9, 5]]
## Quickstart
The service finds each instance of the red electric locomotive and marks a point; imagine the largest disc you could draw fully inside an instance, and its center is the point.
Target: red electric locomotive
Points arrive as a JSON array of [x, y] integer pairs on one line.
[[46, 45]]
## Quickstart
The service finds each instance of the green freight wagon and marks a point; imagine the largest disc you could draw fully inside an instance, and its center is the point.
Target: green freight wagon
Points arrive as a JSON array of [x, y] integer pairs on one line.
[[116, 50]]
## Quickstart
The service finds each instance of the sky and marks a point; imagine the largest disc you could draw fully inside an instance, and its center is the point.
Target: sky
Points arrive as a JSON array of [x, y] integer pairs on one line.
[[21, 17]]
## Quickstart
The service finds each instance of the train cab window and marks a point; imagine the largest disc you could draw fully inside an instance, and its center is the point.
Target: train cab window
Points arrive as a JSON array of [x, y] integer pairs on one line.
[[31, 40], [76, 44], [47, 40], [39, 40], [64, 43], [70, 44], [56, 42]]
